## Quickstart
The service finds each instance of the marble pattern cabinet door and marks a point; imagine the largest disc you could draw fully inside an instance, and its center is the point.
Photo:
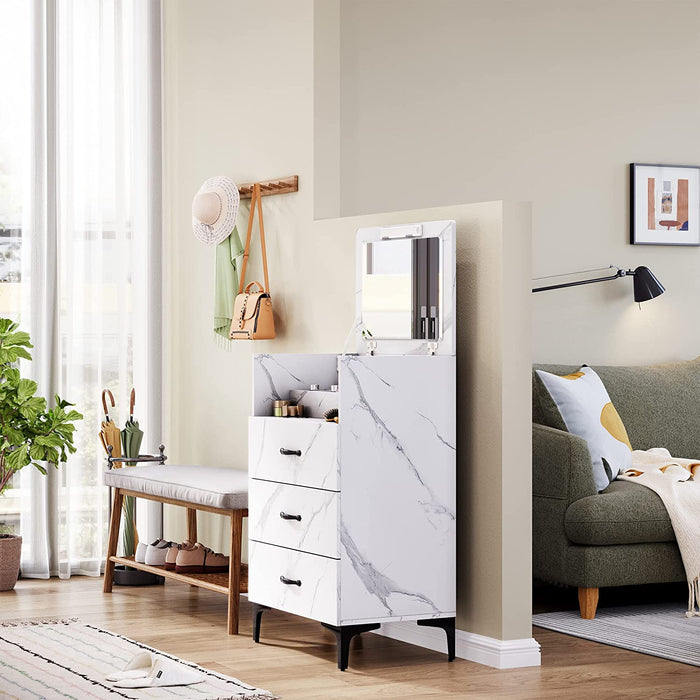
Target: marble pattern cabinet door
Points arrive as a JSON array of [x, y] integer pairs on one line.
[[397, 446], [312, 582], [294, 516], [316, 440]]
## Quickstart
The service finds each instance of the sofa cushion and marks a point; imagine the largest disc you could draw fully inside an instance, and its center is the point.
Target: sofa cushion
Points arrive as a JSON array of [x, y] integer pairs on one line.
[[659, 404], [586, 410], [624, 513]]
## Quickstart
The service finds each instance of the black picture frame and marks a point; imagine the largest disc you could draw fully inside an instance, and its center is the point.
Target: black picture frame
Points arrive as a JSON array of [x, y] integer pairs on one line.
[[675, 190]]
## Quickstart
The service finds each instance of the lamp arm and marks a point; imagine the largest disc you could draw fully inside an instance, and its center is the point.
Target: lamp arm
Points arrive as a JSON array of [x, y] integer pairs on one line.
[[619, 273]]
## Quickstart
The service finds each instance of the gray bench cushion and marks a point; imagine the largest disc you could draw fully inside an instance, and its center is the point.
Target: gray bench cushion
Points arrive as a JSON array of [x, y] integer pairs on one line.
[[217, 487], [623, 513]]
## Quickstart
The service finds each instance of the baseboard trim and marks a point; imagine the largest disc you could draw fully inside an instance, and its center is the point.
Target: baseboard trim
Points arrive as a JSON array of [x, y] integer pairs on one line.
[[498, 653]]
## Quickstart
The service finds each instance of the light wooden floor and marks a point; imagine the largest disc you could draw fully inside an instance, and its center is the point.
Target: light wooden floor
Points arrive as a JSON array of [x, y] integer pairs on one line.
[[296, 658]]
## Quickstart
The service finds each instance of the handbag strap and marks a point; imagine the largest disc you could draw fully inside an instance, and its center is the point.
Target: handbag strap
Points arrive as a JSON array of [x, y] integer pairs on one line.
[[255, 201], [249, 286]]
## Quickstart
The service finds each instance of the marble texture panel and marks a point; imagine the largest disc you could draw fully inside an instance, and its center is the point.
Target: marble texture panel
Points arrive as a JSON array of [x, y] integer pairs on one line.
[[316, 597], [398, 508], [317, 440], [316, 530]]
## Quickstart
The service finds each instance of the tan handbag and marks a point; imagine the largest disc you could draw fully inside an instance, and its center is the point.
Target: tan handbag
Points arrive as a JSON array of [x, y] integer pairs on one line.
[[252, 310]]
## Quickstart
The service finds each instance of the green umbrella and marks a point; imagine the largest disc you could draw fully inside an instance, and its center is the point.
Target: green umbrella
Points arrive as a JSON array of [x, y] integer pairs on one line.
[[132, 436]]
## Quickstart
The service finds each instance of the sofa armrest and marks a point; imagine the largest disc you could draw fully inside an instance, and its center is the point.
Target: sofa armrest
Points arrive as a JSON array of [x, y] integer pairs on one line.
[[561, 465]]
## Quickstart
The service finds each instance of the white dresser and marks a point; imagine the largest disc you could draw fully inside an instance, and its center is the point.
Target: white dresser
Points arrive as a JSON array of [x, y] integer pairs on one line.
[[353, 524]]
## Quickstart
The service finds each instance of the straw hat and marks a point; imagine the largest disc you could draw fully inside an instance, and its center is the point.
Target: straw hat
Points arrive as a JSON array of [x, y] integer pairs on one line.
[[214, 209]]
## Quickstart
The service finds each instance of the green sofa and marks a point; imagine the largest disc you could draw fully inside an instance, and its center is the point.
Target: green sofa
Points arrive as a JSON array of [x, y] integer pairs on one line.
[[621, 536]]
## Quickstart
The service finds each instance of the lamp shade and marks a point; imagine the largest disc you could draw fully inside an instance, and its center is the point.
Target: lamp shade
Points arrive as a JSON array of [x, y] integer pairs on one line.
[[646, 286]]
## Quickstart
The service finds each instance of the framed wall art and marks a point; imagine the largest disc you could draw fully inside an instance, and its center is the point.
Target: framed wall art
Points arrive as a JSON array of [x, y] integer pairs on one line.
[[665, 204]]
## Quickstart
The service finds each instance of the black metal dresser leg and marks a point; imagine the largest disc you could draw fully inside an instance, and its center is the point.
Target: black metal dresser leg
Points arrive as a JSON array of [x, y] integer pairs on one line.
[[343, 635], [258, 610], [447, 624]]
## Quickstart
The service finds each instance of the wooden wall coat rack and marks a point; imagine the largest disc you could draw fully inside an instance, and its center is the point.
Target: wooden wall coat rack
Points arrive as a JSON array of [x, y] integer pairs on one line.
[[280, 185]]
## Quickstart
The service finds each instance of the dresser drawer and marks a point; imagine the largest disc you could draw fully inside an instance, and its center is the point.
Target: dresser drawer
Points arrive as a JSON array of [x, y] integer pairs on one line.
[[317, 595], [311, 446], [294, 516]]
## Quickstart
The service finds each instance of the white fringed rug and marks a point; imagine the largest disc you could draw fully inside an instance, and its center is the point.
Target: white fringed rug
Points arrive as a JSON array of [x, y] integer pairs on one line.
[[658, 630], [69, 660]]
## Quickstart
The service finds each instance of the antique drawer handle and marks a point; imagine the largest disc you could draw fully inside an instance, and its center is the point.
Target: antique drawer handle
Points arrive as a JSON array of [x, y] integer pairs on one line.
[[285, 451], [287, 516], [290, 581]]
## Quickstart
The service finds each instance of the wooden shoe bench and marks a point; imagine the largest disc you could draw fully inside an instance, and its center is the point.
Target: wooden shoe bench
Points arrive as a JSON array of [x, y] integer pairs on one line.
[[210, 489]]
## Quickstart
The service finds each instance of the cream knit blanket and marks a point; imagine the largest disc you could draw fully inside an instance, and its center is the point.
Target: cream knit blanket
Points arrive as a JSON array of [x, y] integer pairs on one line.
[[672, 479]]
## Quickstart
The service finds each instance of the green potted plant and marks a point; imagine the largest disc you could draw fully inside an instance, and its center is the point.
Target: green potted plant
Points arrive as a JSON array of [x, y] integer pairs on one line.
[[30, 432]]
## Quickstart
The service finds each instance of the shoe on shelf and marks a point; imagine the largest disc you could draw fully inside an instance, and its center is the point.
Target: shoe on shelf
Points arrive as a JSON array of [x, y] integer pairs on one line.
[[171, 556], [140, 556], [142, 548], [156, 552], [200, 560]]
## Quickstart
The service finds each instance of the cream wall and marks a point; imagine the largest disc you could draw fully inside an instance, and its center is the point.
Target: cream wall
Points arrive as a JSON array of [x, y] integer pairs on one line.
[[546, 101], [239, 98], [238, 101], [494, 572]]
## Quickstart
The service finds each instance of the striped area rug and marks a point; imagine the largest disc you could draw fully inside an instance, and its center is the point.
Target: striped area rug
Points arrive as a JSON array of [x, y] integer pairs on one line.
[[658, 630], [69, 660]]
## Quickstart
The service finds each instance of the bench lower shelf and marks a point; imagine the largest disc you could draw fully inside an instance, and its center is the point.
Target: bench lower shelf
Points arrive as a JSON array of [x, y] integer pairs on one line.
[[213, 582]]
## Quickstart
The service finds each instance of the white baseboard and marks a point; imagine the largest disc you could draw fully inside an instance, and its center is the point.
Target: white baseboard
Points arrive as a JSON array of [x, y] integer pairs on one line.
[[510, 653], [499, 653]]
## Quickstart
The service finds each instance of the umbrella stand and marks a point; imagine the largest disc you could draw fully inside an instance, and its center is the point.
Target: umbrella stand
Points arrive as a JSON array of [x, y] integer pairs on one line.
[[126, 442], [127, 576], [160, 459]]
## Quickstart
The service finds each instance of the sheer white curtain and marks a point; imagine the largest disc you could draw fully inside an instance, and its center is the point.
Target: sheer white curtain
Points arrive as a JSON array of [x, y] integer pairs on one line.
[[16, 40], [92, 226]]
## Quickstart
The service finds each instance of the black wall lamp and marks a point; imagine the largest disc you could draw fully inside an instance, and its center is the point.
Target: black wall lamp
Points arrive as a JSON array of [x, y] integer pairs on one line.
[[646, 286]]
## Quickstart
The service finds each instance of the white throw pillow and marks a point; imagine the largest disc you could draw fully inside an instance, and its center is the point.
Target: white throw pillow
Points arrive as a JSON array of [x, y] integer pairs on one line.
[[587, 411]]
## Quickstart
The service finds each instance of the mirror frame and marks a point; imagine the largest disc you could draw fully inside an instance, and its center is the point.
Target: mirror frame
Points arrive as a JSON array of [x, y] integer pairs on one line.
[[446, 231]]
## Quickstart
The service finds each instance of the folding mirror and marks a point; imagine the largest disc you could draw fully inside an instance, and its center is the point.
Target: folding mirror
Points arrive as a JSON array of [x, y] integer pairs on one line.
[[406, 286]]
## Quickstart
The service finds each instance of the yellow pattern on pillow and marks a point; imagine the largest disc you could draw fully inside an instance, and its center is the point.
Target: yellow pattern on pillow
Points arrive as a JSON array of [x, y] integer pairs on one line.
[[611, 421]]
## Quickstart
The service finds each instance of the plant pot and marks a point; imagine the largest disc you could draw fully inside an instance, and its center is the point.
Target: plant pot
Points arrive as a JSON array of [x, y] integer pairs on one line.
[[135, 577], [10, 556]]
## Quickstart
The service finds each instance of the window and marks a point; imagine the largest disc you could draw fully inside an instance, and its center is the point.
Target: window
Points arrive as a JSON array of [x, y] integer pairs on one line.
[[79, 244]]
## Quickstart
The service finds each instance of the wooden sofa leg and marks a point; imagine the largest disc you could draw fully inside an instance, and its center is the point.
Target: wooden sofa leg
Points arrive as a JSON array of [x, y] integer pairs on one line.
[[113, 539], [588, 602], [234, 576]]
